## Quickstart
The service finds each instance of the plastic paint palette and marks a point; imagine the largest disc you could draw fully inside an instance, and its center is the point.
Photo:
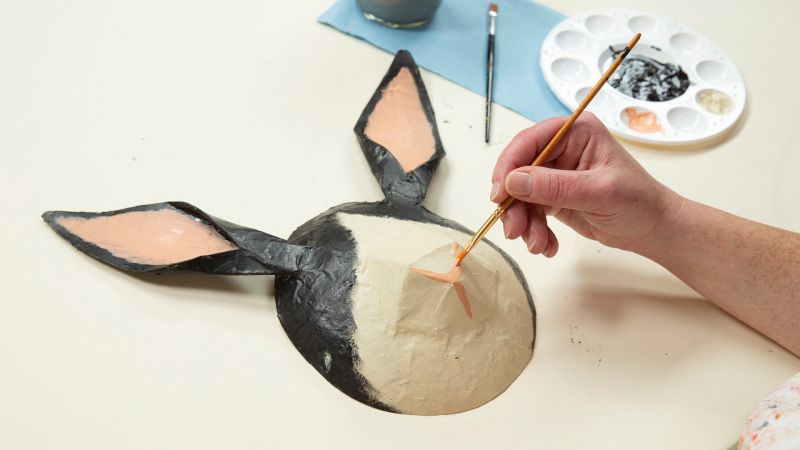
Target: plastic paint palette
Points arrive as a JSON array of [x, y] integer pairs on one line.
[[577, 51]]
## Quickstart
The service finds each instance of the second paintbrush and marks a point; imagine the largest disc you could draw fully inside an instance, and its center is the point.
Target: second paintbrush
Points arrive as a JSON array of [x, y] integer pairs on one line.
[[490, 67]]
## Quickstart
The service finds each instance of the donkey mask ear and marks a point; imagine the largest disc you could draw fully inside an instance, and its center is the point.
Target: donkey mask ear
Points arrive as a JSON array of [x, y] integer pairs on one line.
[[175, 235], [398, 134]]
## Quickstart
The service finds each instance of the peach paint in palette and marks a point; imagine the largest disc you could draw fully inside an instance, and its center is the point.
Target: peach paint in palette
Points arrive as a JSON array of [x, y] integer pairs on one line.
[[577, 50]]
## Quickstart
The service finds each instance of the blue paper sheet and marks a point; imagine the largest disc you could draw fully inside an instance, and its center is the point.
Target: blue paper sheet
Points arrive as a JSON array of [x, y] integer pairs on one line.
[[453, 45]]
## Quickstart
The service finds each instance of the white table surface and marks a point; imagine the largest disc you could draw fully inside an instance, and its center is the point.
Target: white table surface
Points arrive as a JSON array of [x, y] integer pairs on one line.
[[246, 109]]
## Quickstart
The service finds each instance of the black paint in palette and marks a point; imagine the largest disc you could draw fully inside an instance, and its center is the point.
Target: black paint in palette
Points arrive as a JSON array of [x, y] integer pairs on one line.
[[645, 78]]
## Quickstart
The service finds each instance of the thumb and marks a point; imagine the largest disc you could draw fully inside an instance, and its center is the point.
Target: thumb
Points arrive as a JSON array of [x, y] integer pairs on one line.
[[570, 189]]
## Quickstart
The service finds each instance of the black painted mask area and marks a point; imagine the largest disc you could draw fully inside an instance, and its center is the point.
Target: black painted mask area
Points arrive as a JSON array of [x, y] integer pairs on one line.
[[314, 310], [645, 78]]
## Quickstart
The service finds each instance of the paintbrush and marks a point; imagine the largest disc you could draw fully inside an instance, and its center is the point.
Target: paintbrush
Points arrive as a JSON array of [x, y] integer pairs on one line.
[[490, 67], [542, 157]]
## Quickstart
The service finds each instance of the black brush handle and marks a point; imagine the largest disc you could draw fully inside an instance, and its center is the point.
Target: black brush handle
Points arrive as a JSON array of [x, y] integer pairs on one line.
[[489, 79]]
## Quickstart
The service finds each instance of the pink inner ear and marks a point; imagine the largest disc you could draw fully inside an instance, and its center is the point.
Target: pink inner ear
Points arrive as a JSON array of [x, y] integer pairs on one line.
[[157, 237], [398, 123]]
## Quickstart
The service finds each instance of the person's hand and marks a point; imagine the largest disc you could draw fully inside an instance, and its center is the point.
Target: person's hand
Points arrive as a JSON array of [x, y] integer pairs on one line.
[[589, 182]]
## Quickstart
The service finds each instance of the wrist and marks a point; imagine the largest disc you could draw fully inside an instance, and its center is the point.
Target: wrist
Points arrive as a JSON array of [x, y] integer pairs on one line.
[[671, 214]]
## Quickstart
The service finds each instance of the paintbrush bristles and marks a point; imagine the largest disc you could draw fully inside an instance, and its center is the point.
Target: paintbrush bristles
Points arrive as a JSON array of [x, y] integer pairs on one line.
[[542, 157]]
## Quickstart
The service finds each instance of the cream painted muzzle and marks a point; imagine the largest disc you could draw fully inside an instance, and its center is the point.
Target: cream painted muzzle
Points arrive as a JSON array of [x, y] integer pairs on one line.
[[415, 344]]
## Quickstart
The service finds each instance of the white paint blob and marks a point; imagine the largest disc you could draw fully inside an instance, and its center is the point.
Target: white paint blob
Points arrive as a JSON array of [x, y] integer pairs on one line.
[[416, 346], [326, 360]]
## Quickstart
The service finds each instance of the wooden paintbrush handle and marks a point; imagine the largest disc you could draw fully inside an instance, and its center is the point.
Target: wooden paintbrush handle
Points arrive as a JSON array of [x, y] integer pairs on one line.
[[545, 153]]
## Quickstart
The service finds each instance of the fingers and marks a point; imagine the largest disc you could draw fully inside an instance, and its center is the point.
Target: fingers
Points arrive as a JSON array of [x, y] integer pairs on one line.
[[536, 233], [538, 237], [530, 222], [515, 220], [579, 190], [552, 244], [521, 152], [565, 181]]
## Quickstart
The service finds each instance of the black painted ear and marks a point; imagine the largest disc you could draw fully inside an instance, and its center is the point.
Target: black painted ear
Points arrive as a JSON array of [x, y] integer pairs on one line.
[[175, 236], [397, 132]]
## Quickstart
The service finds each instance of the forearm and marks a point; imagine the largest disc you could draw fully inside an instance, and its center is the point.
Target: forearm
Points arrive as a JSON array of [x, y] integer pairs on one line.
[[748, 269]]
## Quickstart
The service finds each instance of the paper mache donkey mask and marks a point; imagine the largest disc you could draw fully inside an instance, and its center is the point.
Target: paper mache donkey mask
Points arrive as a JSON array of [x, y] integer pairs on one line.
[[381, 333]]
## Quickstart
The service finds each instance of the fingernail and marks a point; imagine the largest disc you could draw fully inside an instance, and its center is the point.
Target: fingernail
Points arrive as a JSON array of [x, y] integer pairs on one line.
[[518, 183], [530, 240], [506, 218], [495, 191]]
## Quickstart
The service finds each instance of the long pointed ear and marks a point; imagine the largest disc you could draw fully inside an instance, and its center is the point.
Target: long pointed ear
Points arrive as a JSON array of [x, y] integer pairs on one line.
[[398, 134], [175, 236]]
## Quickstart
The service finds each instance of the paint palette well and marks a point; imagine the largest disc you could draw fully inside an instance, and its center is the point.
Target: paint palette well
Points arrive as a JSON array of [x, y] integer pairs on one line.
[[669, 111]]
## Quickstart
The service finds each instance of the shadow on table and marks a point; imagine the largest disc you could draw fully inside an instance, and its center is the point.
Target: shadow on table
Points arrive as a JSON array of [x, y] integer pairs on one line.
[[253, 292]]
